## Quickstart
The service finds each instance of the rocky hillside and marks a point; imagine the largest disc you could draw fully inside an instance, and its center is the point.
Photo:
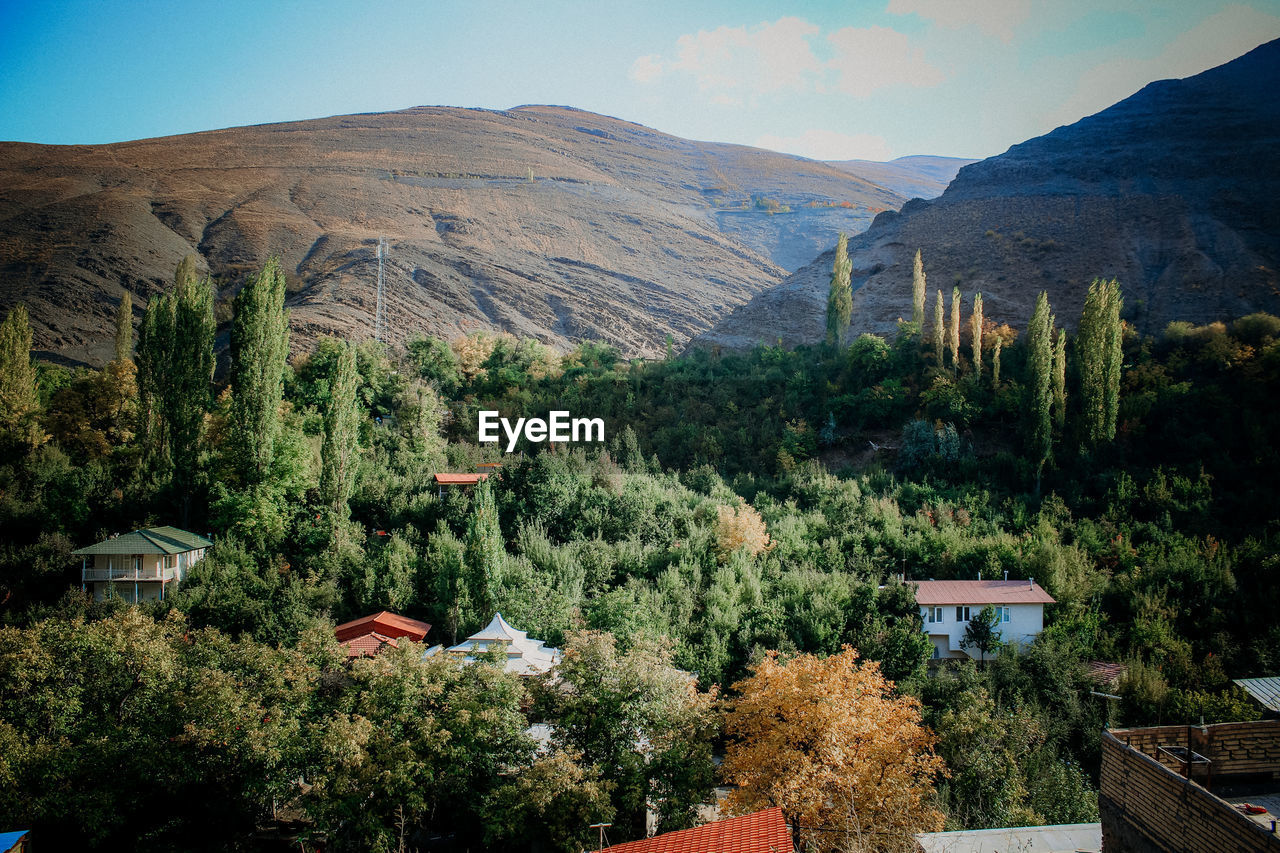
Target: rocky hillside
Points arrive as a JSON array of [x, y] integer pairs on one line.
[[543, 221], [1174, 191]]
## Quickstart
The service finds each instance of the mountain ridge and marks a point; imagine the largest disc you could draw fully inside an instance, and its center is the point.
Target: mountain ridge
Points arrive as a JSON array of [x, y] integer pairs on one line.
[[1174, 191], [550, 222]]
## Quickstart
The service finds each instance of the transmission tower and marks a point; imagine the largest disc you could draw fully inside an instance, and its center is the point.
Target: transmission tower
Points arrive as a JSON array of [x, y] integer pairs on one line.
[[379, 313]]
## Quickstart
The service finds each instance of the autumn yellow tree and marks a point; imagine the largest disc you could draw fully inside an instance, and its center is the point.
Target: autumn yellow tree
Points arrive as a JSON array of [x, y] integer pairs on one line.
[[828, 741], [740, 526]]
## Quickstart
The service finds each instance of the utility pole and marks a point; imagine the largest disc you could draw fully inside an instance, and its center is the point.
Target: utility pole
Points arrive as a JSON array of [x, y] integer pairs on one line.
[[379, 312]]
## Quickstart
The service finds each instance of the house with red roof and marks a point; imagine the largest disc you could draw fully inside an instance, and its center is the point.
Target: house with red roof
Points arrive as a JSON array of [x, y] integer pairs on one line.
[[759, 832], [465, 481], [369, 635], [947, 607]]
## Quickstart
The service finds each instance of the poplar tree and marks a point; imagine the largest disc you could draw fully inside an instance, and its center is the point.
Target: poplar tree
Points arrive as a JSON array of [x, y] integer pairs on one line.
[[484, 554], [937, 329], [995, 362], [975, 331], [1060, 380], [191, 372], [917, 292], [955, 328], [259, 347], [1039, 370], [124, 328], [19, 398], [1098, 345], [339, 451], [840, 296], [175, 367], [155, 345], [1114, 358]]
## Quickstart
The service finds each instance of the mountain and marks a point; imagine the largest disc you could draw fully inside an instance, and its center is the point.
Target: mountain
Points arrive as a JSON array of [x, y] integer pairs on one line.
[[542, 221], [1174, 191], [917, 176]]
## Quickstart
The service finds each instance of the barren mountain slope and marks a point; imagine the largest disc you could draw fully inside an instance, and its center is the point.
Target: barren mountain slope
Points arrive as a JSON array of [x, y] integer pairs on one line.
[[1175, 191], [543, 221]]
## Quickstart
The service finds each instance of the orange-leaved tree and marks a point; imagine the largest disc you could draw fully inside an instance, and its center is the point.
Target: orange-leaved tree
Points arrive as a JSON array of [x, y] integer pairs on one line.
[[829, 741]]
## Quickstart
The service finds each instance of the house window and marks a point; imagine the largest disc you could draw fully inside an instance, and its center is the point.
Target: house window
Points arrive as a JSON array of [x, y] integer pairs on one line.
[[962, 614], [1003, 613], [935, 614]]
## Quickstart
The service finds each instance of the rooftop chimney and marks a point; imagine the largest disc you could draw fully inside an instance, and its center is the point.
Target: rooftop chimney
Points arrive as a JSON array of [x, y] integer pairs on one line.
[[1031, 583], [1006, 574]]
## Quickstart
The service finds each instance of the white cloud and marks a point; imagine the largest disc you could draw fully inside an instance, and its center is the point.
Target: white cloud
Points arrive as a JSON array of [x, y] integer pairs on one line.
[[731, 63], [873, 58], [829, 145], [997, 18], [767, 58], [1217, 39], [646, 69]]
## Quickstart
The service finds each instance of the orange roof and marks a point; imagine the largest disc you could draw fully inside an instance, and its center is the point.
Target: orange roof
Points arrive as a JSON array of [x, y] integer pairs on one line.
[[368, 645], [759, 832], [387, 624], [981, 592], [460, 479]]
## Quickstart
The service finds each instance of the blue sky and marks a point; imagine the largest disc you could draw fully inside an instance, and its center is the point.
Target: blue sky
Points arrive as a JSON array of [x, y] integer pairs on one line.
[[832, 80]]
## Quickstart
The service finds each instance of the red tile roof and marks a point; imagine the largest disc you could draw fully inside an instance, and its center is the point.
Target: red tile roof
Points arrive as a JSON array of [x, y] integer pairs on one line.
[[387, 624], [980, 592], [759, 832], [460, 479], [368, 645], [1107, 673]]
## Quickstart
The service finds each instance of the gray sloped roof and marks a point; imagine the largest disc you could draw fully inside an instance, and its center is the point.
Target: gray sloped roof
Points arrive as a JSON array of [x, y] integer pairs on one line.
[[1266, 691], [151, 540]]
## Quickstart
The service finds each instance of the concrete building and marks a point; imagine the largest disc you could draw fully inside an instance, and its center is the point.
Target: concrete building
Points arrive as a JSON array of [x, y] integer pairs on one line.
[[947, 607], [142, 565]]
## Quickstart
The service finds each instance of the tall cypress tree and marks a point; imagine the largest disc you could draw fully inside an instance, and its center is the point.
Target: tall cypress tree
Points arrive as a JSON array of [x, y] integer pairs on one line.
[[995, 362], [1039, 393], [975, 331], [19, 398], [1060, 380], [155, 342], [840, 296], [338, 453], [1114, 359], [917, 292], [259, 348], [191, 372], [1098, 348], [124, 328], [937, 330], [175, 367], [955, 329], [485, 554]]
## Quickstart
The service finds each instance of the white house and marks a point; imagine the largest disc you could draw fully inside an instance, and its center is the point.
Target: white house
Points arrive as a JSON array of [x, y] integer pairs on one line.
[[140, 565], [948, 606]]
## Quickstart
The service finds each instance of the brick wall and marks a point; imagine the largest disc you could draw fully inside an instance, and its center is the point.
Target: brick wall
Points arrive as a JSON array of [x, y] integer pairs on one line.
[[1234, 748], [1147, 807]]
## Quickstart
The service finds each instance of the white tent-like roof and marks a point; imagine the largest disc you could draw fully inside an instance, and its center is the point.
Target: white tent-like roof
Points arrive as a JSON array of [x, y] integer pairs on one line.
[[524, 656]]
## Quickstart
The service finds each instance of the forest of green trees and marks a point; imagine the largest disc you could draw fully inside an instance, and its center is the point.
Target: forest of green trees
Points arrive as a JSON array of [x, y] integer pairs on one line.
[[742, 504]]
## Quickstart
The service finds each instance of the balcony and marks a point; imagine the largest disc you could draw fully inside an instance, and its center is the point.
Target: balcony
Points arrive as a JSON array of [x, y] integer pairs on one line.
[[128, 574]]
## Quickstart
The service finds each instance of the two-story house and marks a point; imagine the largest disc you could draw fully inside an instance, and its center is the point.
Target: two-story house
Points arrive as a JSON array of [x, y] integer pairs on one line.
[[948, 606], [141, 565]]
